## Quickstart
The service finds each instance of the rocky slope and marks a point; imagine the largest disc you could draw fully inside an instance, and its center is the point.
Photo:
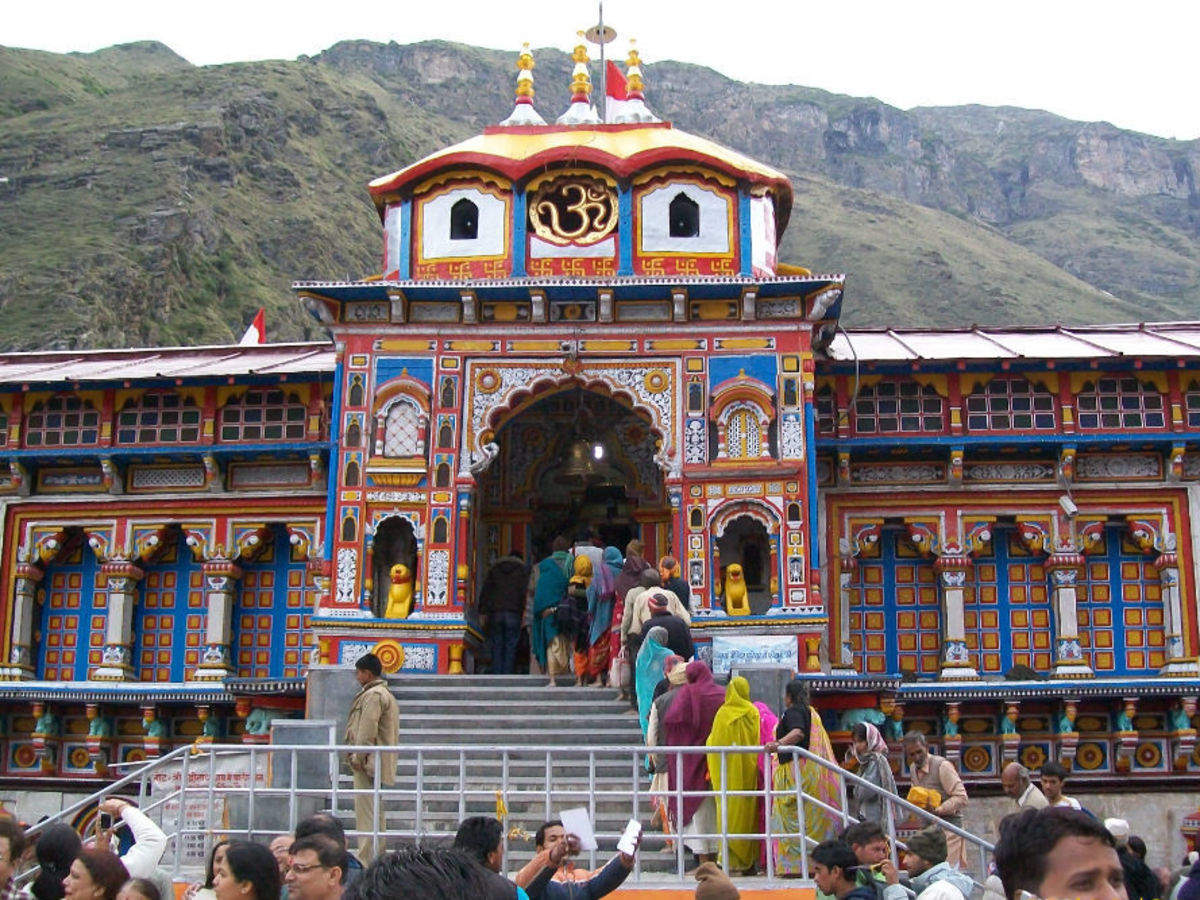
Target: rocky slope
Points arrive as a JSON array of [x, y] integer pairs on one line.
[[151, 201]]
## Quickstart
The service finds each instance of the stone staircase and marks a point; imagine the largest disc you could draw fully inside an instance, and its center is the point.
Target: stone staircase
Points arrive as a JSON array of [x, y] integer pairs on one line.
[[558, 726]]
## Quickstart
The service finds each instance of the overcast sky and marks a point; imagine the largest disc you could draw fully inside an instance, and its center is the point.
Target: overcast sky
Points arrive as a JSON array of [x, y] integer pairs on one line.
[[1132, 64]]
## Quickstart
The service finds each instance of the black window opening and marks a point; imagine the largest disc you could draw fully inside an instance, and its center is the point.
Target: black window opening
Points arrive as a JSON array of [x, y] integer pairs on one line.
[[685, 216], [464, 221]]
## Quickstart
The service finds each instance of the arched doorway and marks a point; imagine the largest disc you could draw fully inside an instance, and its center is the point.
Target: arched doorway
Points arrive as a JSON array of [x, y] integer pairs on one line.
[[395, 542], [574, 462], [745, 541]]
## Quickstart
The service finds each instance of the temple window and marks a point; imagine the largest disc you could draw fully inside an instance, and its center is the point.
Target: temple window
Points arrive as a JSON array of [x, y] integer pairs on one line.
[[159, 418], [1011, 404], [695, 397], [441, 530], [684, 215], [353, 434], [62, 422], [263, 415], [826, 410], [464, 220], [899, 406], [402, 430], [743, 436], [1120, 403], [352, 476], [1191, 402]]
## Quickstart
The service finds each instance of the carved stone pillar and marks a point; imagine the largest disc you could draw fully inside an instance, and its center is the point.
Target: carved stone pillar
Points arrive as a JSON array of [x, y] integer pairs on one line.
[[21, 661], [952, 579], [1178, 662], [220, 583], [116, 663], [1069, 662]]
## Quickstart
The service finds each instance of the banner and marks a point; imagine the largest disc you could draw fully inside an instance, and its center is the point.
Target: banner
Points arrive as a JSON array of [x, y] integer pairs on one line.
[[770, 651]]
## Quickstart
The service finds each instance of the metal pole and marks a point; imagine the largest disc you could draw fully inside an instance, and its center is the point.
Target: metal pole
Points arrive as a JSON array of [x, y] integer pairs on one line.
[[592, 801], [723, 824], [603, 70], [767, 812], [293, 777], [420, 796], [250, 806], [800, 817], [679, 814]]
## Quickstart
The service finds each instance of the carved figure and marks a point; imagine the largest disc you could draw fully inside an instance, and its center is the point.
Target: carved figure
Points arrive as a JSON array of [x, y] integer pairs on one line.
[[47, 724], [1065, 725], [737, 601], [100, 727], [211, 728], [155, 728], [1008, 725], [1180, 720], [852, 717], [400, 593], [950, 727], [259, 721], [1124, 723]]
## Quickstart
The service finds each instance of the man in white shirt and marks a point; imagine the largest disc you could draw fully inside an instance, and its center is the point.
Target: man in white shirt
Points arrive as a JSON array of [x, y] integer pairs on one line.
[[149, 841], [1054, 779], [1017, 784]]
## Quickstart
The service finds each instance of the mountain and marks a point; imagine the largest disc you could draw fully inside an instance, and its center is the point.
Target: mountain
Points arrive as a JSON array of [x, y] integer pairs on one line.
[[150, 201]]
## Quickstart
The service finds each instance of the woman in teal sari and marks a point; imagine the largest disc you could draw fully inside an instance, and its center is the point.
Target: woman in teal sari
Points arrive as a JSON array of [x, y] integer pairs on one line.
[[601, 595], [653, 653], [551, 586]]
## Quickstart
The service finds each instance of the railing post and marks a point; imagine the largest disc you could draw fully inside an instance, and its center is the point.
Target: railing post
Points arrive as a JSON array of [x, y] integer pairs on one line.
[[592, 800], [250, 801], [183, 781], [679, 815], [767, 814], [462, 784], [801, 817], [504, 794], [843, 796], [723, 819], [420, 821], [377, 769], [293, 777]]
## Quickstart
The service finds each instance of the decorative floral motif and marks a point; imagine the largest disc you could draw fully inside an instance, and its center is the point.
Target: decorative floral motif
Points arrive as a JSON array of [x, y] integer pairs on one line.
[[1101, 466], [347, 574], [903, 474], [1008, 472], [695, 442], [1069, 649], [439, 577], [791, 438]]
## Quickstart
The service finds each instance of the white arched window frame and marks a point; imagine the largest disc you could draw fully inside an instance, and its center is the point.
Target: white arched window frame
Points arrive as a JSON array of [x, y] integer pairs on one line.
[[402, 428], [742, 432]]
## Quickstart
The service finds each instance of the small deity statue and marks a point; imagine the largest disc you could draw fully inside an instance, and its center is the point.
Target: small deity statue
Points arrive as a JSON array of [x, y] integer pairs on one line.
[[950, 727], [259, 721], [155, 728], [211, 728], [1124, 723], [400, 593], [1065, 725], [100, 727], [1008, 725], [1180, 720], [737, 600], [47, 723]]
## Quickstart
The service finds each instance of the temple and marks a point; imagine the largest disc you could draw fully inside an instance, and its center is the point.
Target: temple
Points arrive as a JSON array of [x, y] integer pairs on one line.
[[582, 327]]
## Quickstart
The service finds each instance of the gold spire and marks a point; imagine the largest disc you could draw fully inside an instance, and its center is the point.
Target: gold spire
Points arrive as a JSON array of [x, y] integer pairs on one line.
[[633, 72], [581, 81], [525, 75]]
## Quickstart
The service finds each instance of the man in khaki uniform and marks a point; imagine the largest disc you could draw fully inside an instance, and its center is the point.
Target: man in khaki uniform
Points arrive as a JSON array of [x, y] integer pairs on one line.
[[374, 719], [928, 770]]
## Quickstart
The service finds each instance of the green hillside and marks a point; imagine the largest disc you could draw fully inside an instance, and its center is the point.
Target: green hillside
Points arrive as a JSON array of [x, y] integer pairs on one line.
[[149, 201]]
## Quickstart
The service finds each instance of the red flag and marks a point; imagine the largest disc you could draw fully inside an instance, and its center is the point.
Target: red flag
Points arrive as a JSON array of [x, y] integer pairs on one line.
[[615, 82], [257, 332]]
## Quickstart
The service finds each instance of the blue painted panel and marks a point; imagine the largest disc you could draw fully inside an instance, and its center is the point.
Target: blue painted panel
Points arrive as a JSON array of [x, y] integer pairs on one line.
[[745, 257], [520, 233], [389, 367], [70, 617], [405, 268], [760, 366], [269, 616], [810, 464], [171, 592], [625, 231]]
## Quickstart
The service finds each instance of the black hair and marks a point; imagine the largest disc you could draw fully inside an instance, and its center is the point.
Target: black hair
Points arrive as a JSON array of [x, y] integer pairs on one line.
[[329, 852], [836, 855], [1028, 837], [478, 837], [256, 864], [212, 856], [322, 823], [1055, 769], [797, 692], [539, 836], [369, 663], [145, 887], [1137, 846], [419, 872], [16, 837], [649, 578], [859, 731], [862, 833], [56, 849], [560, 544]]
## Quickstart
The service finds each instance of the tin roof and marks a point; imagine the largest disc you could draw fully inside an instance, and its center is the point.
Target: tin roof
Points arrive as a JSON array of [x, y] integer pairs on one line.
[[75, 366], [1150, 339]]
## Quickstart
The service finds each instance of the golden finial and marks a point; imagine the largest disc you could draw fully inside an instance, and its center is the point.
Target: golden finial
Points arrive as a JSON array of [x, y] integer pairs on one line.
[[581, 81], [525, 75], [633, 72]]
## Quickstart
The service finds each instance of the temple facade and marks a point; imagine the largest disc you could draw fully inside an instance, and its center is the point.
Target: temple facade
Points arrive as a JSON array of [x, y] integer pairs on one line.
[[582, 328]]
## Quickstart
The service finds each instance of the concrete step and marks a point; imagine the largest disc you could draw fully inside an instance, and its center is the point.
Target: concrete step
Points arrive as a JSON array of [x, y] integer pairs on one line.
[[505, 737], [519, 720], [565, 710], [480, 692]]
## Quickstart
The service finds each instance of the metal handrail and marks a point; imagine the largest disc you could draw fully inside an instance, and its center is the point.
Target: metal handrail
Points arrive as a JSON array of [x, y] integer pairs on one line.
[[454, 778]]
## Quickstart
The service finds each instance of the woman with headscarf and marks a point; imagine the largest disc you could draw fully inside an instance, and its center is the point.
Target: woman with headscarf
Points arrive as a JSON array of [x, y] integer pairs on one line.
[[601, 597], [675, 676], [55, 850], [628, 578], [552, 650], [871, 752], [801, 726], [651, 656], [767, 723], [688, 723], [736, 725]]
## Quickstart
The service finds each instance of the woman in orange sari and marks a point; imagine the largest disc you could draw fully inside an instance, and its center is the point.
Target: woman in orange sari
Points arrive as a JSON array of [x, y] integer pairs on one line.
[[800, 726]]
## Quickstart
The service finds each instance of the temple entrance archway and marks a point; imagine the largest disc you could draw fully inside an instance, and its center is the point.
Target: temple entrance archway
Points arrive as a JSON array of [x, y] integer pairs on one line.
[[573, 461], [395, 543], [745, 541]]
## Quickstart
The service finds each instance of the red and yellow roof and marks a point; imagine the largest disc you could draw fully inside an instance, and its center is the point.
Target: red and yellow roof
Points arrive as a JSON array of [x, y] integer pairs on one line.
[[517, 151]]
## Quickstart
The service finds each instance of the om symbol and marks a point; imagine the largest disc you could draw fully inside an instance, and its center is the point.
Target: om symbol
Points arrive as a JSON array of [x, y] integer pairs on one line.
[[573, 211]]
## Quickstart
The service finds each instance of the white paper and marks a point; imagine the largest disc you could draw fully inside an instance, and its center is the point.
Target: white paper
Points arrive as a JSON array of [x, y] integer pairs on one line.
[[575, 821], [628, 842]]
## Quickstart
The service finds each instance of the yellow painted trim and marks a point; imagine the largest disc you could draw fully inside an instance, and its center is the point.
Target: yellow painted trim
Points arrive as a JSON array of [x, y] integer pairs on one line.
[[406, 344], [466, 176], [664, 173], [640, 253], [679, 344], [609, 346], [536, 346], [418, 227], [745, 343], [546, 177]]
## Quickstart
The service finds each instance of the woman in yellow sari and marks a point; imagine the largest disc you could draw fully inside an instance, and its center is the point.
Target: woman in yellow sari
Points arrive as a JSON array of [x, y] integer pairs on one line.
[[801, 726], [736, 725]]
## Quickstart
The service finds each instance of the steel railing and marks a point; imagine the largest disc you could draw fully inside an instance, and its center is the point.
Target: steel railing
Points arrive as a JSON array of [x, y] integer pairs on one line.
[[203, 793]]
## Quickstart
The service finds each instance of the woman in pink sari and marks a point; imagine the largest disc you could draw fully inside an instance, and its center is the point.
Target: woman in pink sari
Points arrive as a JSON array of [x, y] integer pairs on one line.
[[688, 723], [767, 723]]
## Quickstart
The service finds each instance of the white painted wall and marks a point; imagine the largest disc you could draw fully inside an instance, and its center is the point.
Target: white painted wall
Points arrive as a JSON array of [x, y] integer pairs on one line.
[[493, 226], [762, 235], [654, 212]]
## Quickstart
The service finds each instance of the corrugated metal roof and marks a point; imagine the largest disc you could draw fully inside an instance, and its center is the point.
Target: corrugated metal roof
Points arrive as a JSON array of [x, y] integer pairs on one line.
[[166, 362], [1156, 339]]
